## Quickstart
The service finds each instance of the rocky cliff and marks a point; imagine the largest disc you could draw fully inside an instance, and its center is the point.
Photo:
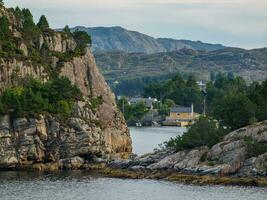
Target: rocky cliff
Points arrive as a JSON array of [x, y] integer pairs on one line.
[[96, 128]]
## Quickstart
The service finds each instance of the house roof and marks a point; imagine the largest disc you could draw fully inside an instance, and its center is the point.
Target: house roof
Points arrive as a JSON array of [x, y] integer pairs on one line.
[[148, 101], [181, 109]]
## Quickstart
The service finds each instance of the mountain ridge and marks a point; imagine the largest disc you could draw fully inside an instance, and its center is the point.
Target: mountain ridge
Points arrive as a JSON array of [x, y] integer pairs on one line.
[[117, 38], [129, 68]]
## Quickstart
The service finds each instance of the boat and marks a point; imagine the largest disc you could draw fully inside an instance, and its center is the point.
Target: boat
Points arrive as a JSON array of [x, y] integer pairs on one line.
[[138, 124]]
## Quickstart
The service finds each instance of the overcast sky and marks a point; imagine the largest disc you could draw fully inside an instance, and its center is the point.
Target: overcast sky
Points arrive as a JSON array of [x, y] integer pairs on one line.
[[240, 23]]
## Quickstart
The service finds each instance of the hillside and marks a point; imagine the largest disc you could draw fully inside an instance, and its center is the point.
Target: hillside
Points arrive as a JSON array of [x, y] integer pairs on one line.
[[120, 66], [109, 39], [54, 103]]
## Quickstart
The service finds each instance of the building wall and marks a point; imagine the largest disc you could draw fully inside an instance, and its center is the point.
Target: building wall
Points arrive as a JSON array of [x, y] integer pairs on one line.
[[181, 115]]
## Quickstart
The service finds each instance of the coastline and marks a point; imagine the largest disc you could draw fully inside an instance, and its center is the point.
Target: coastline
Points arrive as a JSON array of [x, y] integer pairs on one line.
[[103, 169]]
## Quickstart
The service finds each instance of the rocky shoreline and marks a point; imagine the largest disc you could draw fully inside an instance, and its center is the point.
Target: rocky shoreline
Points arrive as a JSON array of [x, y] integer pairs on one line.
[[229, 162], [108, 169]]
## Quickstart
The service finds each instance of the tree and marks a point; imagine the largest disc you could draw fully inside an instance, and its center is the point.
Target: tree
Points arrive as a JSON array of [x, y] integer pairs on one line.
[[67, 31], [4, 29], [30, 31], [82, 38], [1, 2], [205, 132], [125, 108], [139, 110], [43, 23], [235, 110]]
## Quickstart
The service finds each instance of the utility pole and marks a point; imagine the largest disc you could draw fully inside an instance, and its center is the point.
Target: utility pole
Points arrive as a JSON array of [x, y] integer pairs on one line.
[[204, 92], [123, 106], [204, 110]]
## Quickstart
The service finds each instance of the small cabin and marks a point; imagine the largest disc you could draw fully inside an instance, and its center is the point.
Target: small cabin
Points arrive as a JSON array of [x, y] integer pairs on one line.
[[181, 116]]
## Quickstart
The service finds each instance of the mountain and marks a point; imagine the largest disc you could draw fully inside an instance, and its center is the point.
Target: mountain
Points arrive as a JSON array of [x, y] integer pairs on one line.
[[119, 39], [56, 110], [131, 70]]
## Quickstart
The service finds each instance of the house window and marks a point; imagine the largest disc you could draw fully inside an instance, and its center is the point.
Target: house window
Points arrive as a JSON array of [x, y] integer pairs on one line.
[[178, 114]]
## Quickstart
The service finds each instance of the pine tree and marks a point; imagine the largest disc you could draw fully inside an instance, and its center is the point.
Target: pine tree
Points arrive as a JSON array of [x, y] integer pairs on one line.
[[67, 31], [43, 23]]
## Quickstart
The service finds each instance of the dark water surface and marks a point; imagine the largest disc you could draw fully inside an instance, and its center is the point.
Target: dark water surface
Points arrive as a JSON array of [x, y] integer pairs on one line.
[[83, 185]]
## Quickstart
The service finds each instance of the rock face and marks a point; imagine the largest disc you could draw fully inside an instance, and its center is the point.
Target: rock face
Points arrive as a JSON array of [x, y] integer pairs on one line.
[[94, 130], [232, 156]]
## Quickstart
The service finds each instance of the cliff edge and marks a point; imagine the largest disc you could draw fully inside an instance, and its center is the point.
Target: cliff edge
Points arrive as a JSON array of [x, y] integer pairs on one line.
[[96, 128]]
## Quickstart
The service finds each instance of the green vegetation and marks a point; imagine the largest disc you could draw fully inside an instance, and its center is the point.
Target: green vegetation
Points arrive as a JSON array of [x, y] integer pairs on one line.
[[132, 112], [67, 31], [229, 99], [233, 104], [235, 110], [30, 97], [205, 132], [8, 46], [82, 38], [182, 92], [1, 2], [255, 148], [56, 96], [43, 23], [134, 86], [31, 33]]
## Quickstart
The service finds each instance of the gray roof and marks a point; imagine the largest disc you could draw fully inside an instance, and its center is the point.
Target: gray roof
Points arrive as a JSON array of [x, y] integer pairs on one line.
[[181, 109]]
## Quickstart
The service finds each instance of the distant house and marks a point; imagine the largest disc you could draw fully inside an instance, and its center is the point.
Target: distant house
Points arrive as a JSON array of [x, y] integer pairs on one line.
[[201, 85], [181, 116], [147, 101]]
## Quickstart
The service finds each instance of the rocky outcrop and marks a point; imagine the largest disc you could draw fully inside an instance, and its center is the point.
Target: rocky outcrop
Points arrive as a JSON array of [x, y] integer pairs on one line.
[[96, 129], [231, 157]]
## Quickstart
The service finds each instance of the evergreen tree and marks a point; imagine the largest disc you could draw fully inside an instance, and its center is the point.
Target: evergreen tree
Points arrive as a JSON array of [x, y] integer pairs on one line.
[[82, 38], [18, 13], [67, 31], [30, 30], [235, 110], [43, 23], [4, 29], [1, 2]]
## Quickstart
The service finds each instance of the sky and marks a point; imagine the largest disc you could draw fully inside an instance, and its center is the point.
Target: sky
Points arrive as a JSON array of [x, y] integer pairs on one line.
[[237, 23]]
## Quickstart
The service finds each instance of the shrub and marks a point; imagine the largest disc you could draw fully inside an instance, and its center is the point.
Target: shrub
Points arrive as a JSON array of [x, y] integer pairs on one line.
[[205, 132], [56, 96], [82, 38], [255, 148]]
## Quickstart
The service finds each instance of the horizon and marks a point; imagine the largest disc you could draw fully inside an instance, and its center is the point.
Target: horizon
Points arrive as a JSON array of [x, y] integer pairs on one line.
[[241, 24]]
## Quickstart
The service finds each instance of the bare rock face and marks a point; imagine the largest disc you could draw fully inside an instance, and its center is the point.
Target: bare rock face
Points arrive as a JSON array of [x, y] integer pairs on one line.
[[93, 130], [100, 131]]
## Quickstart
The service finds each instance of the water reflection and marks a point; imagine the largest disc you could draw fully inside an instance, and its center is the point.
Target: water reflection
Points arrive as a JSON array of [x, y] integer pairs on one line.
[[146, 139], [78, 185]]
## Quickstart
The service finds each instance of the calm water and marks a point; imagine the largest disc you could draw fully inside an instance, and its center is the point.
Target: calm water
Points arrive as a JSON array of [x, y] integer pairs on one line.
[[82, 185], [146, 139]]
